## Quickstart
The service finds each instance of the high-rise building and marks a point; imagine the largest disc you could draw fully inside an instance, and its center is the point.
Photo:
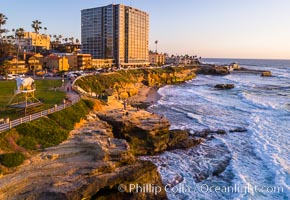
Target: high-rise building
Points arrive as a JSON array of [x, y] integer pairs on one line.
[[116, 32]]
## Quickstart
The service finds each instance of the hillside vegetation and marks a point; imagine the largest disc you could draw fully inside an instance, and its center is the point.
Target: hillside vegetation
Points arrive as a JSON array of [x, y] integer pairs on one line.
[[20, 142], [150, 77]]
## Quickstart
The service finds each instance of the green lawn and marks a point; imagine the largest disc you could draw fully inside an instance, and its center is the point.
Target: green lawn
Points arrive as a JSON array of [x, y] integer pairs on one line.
[[44, 90]]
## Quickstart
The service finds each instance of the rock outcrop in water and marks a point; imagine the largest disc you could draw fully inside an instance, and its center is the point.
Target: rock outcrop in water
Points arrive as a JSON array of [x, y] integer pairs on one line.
[[266, 73], [181, 139], [213, 70], [207, 132], [147, 133], [225, 86]]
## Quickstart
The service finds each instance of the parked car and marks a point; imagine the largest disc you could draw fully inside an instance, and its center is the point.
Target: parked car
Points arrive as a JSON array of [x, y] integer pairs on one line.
[[48, 75], [10, 77], [20, 75]]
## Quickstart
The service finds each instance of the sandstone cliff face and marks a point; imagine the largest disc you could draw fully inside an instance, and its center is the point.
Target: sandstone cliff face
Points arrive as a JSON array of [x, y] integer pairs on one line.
[[127, 83], [146, 133], [155, 79], [83, 166]]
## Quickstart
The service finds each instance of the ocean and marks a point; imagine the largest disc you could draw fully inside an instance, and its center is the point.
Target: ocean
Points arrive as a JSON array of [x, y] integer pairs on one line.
[[254, 164]]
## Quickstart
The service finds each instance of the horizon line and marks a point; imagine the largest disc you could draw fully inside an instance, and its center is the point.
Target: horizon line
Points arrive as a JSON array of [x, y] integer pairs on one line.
[[286, 59]]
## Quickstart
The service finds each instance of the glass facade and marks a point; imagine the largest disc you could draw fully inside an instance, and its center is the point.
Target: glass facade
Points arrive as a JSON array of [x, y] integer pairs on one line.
[[116, 32]]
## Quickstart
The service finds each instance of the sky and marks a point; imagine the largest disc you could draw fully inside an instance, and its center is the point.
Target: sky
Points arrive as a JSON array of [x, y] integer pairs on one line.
[[207, 28]]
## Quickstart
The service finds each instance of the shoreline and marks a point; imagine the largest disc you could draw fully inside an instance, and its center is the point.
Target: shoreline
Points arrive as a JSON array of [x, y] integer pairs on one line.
[[149, 125], [146, 94]]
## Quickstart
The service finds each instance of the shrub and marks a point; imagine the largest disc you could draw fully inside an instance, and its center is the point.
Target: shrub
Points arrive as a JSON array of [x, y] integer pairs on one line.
[[12, 159], [89, 104], [44, 132], [27, 142], [68, 117]]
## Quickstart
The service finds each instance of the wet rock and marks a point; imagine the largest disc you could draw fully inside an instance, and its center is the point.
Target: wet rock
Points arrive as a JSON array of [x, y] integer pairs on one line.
[[206, 132], [266, 73], [202, 134], [217, 158], [225, 86], [221, 166], [221, 132], [239, 129], [181, 139]]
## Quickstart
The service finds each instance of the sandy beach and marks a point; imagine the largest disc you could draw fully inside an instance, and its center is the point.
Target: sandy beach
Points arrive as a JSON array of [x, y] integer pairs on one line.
[[146, 94]]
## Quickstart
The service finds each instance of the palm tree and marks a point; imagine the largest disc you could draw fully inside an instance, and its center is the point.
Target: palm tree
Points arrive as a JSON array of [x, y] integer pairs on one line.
[[59, 38], [4, 37], [77, 41], [156, 42], [65, 39], [5, 66], [19, 33], [71, 39], [9, 38], [45, 29], [36, 26], [3, 19], [14, 34]]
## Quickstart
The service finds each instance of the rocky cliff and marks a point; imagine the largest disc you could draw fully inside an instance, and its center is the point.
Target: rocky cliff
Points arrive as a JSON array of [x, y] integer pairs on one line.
[[147, 133], [126, 83], [84, 166]]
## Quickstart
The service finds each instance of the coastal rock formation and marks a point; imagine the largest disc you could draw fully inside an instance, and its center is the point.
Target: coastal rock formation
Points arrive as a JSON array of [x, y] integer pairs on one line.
[[213, 70], [124, 84], [225, 86], [146, 133], [239, 129], [254, 71], [181, 139], [207, 132], [266, 73], [156, 79], [83, 166]]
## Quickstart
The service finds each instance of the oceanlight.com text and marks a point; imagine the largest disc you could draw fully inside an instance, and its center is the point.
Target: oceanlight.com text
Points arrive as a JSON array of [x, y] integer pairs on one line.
[[203, 188]]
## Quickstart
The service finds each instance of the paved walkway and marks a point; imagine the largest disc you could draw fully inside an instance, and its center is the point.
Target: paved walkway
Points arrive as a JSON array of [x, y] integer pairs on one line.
[[71, 94]]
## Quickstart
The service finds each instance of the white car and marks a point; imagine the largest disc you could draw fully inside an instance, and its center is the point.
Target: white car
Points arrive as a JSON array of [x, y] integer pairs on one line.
[[13, 76], [10, 77]]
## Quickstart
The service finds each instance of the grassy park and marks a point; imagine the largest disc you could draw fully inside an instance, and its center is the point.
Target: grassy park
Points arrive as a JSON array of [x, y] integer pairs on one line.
[[44, 90]]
